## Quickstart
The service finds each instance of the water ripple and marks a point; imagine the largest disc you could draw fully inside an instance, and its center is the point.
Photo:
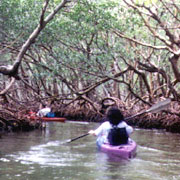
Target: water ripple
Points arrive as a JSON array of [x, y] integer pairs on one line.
[[46, 155]]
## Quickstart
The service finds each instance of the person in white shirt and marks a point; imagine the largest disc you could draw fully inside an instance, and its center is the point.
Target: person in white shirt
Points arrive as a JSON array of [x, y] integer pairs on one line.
[[114, 118], [44, 111]]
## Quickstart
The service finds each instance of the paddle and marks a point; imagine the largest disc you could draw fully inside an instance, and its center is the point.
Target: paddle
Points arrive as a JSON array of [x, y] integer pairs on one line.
[[70, 140], [154, 109]]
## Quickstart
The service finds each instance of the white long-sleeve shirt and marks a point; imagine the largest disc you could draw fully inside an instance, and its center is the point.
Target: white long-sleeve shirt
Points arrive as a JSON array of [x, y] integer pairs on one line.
[[104, 128], [43, 112]]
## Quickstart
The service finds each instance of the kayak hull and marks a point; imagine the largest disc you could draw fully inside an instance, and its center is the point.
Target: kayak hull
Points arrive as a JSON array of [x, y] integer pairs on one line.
[[126, 151], [48, 119], [57, 119]]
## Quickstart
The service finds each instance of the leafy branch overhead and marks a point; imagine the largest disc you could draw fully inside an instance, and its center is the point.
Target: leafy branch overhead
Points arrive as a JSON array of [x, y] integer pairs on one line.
[[13, 70]]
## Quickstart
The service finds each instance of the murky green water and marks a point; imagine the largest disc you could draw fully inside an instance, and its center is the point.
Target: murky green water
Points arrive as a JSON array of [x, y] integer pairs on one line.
[[43, 156]]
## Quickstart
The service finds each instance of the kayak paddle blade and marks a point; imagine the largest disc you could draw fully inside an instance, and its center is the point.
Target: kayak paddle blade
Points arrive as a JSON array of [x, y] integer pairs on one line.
[[162, 105]]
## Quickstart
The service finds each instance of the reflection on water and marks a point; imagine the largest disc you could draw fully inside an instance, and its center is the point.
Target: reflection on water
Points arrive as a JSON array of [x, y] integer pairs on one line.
[[44, 155]]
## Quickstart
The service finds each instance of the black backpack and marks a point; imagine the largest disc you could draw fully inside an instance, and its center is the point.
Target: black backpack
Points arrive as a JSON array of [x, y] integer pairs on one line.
[[117, 136]]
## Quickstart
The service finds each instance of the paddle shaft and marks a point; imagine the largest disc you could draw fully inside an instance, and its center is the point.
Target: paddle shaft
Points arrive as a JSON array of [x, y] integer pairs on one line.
[[70, 140], [138, 114]]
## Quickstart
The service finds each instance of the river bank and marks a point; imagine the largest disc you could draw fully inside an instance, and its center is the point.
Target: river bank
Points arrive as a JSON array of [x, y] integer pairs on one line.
[[148, 121], [18, 119]]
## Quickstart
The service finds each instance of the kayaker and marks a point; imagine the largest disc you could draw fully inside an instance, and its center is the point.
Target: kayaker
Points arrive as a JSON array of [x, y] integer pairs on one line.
[[44, 111], [113, 120]]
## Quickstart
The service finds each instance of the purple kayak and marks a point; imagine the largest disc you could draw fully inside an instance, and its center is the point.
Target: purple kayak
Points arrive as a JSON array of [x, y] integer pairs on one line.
[[126, 151]]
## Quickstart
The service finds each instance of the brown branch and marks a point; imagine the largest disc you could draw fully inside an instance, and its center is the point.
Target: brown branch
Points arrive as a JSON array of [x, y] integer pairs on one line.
[[3, 92], [90, 88], [169, 44], [91, 102], [141, 43], [41, 22], [174, 63], [162, 24], [164, 75]]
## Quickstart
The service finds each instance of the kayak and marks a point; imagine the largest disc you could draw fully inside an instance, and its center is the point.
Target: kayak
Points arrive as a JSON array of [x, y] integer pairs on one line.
[[57, 119], [126, 151], [48, 119]]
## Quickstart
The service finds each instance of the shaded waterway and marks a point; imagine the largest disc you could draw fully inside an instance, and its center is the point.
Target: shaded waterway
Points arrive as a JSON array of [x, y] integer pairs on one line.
[[45, 156]]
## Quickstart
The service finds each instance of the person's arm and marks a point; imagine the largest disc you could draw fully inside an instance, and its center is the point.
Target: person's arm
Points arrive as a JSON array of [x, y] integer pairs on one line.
[[92, 132], [98, 131], [129, 129], [39, 113]]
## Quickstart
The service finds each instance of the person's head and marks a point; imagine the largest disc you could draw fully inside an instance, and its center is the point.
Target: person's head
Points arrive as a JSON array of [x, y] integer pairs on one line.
[[114, 116], [45, 105]]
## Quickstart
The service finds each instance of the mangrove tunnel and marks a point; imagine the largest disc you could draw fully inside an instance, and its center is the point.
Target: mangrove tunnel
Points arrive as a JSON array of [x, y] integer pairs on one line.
[[81, 57]]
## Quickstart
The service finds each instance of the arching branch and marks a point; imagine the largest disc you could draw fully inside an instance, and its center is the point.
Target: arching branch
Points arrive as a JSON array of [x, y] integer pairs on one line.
[[8, 87]]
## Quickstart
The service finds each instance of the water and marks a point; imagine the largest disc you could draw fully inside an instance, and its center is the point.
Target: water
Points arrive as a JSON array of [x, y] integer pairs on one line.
[[45, 156]]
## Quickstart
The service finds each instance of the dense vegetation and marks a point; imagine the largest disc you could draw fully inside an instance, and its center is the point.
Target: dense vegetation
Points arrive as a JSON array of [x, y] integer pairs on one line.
[[81, 56]]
